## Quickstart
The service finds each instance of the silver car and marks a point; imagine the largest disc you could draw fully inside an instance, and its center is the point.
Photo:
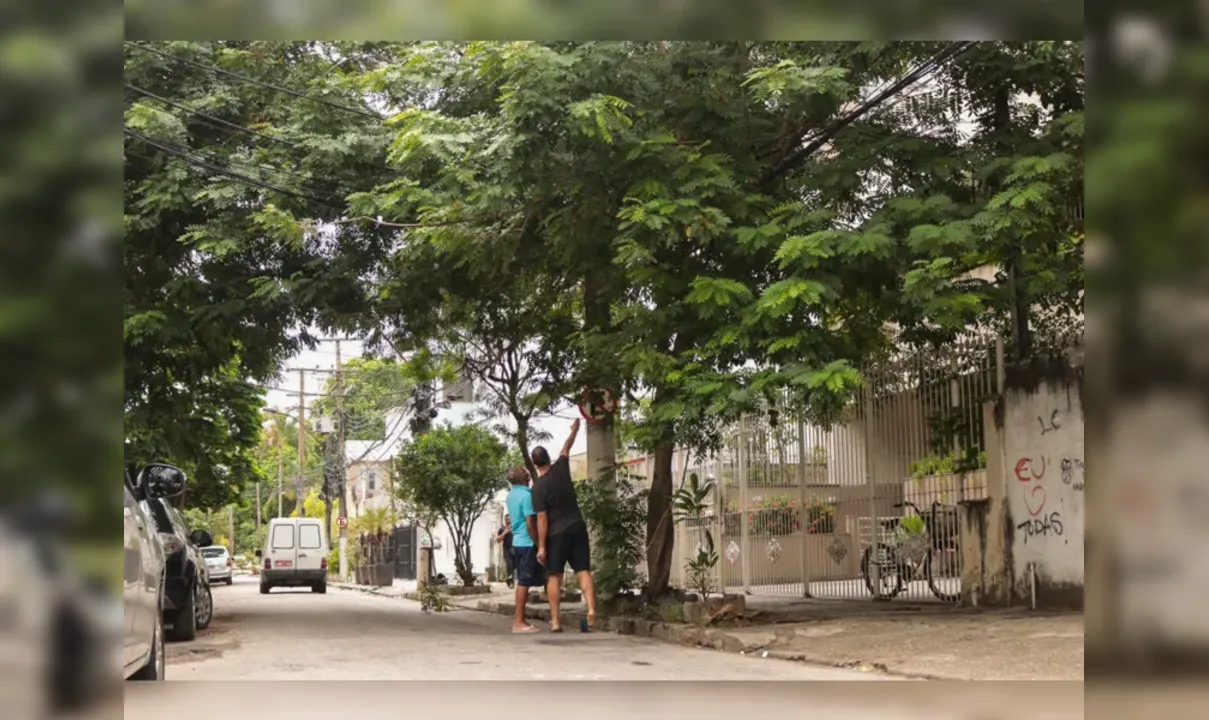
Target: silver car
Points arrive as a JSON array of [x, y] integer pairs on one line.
[[219, 564], [143, 574]]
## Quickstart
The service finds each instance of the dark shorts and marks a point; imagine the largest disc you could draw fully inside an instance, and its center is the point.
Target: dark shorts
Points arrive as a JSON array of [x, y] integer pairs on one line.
[[569, 547], [529, 572]]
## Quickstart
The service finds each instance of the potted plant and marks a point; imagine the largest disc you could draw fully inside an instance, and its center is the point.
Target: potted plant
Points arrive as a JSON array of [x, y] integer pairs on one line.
[[689, 506], [820, 518]]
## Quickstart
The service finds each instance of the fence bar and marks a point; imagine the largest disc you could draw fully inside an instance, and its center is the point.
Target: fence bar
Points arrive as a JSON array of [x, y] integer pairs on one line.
[[874, 569], [805, 573], [744, 543]]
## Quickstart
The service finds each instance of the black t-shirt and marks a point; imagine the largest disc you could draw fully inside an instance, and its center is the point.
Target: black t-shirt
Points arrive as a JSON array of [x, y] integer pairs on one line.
[[554, 494], [507, 538]]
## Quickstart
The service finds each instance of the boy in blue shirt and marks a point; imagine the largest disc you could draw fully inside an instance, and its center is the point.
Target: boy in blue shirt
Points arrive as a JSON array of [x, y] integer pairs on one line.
[[529, 572]]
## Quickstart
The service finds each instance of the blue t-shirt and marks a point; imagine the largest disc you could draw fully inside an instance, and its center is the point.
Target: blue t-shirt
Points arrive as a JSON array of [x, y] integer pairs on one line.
[[520, 506]]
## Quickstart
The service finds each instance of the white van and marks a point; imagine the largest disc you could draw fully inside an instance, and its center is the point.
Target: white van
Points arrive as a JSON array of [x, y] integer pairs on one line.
[[295, 555]]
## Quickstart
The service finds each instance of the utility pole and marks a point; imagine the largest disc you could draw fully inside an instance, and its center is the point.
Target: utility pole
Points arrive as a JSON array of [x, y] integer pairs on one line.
[[301, 440], [280, 473], [258, 508], [343, 470], [231, 522]]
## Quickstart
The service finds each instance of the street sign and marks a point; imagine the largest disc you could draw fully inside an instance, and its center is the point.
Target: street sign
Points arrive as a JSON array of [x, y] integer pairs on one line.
[[342, 521], [598, 406]]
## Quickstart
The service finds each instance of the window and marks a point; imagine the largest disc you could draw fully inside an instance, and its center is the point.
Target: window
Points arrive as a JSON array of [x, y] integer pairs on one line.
[[215, 552], [309, 537], [163, 521], [283, 537], [371, 480]]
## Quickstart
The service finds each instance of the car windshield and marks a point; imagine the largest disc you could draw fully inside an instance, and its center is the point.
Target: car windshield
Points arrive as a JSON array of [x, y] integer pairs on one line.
[[213, 552]]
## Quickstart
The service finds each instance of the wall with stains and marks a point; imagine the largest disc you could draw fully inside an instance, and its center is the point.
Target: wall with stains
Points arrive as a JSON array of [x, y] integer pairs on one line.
[[1042, 435]]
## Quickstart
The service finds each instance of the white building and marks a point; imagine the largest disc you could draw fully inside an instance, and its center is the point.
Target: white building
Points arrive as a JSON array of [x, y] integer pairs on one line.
[[368, 468]]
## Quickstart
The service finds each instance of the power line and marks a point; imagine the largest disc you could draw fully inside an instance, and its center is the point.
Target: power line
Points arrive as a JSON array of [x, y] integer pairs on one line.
[[913, 76], [226, 123], [318, 184], [245, 78], [400, 393], [228, 173], [236, 126]]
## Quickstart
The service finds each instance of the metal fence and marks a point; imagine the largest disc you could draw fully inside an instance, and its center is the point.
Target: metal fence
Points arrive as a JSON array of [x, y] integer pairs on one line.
[[861, 503]]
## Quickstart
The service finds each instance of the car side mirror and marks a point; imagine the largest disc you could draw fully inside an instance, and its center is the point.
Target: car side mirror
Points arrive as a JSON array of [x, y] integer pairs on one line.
[[201, 538], [160, 480]]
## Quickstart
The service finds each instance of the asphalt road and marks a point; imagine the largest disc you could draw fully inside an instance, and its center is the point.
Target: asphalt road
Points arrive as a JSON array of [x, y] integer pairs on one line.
[[346, 635]]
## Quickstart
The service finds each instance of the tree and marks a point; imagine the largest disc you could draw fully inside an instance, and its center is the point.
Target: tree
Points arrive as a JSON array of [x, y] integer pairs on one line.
[[219, 277], [718, 227], [277, 450], [452, 473], [372, 388], [649, 178], [515, 347]]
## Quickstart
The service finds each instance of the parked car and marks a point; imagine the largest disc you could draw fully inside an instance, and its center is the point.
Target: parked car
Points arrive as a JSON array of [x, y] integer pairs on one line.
[[56, 649], [188, 604], [219, 564], [295, 555], [144, 570]]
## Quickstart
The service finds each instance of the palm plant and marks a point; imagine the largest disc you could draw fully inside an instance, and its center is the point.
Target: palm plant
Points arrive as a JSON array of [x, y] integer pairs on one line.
[[689, 506]]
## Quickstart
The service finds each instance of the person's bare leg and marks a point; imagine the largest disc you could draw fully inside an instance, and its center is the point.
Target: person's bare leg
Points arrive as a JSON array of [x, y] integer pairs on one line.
[[522, 596], [554, 596], [588, 587]]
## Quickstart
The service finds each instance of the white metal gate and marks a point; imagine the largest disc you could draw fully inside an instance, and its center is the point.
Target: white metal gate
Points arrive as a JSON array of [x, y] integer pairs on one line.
[[802, 499]]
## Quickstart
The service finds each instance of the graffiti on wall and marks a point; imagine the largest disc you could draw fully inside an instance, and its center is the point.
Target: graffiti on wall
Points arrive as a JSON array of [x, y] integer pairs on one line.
[[1044, 518], [1072, 473], [1049, 423]]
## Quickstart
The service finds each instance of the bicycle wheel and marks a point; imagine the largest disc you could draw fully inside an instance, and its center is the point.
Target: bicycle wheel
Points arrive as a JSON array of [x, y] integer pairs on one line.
[[889, 575], [944, 590]]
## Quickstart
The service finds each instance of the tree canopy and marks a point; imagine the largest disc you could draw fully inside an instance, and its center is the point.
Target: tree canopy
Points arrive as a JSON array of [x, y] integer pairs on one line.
[[452, 473], [701, 225]]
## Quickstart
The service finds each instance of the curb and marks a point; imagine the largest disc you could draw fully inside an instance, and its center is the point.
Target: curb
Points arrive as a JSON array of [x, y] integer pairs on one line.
[[370, 590], [638, 627], [703, 637]]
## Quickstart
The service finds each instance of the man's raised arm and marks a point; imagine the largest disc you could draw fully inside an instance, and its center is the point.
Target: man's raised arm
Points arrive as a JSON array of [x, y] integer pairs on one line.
[[570, 438]]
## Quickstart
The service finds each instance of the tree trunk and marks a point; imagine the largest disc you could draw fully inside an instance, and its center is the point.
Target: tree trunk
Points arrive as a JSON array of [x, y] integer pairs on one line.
[[463, 565], [522, 442], [660, 530], [461, 554]]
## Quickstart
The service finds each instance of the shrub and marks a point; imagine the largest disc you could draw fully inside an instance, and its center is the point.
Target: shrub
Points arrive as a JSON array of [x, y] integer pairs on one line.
[[779, 515], [618, 525]]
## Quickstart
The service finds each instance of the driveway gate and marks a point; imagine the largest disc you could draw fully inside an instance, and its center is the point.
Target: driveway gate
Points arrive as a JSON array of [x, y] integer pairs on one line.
[[801, 500], [404, 542]]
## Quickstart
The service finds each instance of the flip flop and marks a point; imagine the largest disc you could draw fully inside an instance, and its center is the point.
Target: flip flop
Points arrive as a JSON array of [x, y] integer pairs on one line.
[[556, 629], [528, 630]]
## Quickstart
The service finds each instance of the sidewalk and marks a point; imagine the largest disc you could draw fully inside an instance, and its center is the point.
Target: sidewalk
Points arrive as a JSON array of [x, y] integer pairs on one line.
[[914, 640]]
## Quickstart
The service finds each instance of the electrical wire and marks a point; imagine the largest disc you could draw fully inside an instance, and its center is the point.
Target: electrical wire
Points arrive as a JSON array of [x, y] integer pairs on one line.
[[210, 118], [253, 81], [274, 174], [228, 173], [236, 127], [924, 69]]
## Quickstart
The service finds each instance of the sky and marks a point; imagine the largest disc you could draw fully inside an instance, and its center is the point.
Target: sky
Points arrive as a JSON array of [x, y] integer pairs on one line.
[[324, 357]]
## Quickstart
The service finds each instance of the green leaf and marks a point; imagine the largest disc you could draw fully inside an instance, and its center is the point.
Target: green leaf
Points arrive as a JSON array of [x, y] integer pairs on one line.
[[786, 296]]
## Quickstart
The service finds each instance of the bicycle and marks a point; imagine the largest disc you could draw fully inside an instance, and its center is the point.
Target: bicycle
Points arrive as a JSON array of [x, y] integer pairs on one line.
[[913, 552]]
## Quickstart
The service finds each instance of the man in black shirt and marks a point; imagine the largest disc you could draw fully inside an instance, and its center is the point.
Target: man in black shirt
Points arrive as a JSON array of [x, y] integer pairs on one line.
[[562, 533]]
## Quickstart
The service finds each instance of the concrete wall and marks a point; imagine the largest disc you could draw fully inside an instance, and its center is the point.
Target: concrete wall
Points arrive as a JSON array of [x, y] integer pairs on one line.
[[1041, 420]]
